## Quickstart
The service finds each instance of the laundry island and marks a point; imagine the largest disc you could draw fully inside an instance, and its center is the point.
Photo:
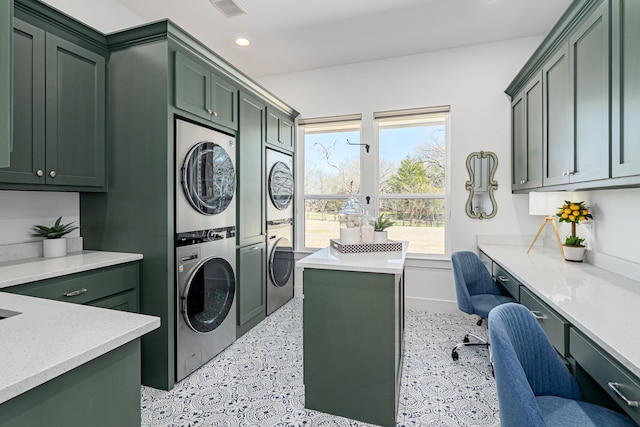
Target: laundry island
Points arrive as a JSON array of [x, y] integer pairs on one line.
[[353, 326]]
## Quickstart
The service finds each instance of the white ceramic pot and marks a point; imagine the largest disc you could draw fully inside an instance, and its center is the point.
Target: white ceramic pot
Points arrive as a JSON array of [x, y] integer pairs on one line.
[[574, 253], [380, 237], [52, 248]]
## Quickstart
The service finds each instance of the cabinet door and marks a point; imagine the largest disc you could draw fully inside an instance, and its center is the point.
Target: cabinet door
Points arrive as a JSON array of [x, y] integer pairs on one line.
[[192, 86], [589, 56], [558, 148], [518, 143], [625, 91], [251, 187], [251, 286], [27, 157], [6, 47], [287, 136], [75, 114], [224, 101], [533, 132], [273, 127]]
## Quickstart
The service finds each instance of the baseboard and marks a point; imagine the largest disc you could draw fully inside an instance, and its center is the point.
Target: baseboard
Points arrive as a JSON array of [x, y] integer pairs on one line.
[[431, 305]]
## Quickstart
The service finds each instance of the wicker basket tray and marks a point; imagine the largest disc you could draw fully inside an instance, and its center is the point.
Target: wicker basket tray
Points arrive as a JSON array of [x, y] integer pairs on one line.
[[366, 247]]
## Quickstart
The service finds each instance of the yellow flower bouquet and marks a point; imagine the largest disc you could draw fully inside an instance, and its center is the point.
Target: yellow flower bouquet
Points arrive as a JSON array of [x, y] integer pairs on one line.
[[574, 213]]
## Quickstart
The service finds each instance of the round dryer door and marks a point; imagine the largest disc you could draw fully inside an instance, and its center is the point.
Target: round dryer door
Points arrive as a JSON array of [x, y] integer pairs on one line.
[[208, 178], [281, 262], [209, 295], [281, 185]]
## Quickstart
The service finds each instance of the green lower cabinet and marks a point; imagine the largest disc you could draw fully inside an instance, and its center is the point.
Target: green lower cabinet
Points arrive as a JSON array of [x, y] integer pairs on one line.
[[109, 287], [353, 328], [251, 287], [104, 392]]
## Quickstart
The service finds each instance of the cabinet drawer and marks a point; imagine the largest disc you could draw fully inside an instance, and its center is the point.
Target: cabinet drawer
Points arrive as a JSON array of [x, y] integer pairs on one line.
[[554, 325], [488, 262], [126, 301], [605, 370], [83, 287], [505, 279]]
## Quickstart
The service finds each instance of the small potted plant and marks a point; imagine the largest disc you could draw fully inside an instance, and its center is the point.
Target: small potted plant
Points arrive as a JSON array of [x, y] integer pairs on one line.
[[53, 244], [574, 213], [380, 235]]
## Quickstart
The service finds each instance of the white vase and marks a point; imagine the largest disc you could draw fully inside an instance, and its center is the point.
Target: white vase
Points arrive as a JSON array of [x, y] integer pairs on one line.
[[380, 237], [574, 253], [52, 248]]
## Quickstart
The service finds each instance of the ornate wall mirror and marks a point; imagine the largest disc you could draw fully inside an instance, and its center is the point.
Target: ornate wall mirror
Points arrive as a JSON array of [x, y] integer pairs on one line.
[[481, 167]]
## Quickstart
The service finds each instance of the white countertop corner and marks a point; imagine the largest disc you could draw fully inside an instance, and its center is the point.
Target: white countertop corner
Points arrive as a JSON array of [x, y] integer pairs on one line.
[[368, 262]]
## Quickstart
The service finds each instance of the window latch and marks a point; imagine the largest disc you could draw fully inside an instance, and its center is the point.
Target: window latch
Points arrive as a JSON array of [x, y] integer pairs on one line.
[[368, 199], [366, 146]]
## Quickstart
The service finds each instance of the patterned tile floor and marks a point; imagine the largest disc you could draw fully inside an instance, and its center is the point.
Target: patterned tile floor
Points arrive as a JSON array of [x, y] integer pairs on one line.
[[257, 381]]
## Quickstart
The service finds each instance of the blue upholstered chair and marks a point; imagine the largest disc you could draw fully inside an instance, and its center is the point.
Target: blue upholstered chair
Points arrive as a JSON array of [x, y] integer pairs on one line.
[[476, 292], [535, 388]]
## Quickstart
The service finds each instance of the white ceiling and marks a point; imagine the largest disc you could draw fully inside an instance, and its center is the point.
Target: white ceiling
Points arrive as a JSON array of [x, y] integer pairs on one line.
[[296, 35]]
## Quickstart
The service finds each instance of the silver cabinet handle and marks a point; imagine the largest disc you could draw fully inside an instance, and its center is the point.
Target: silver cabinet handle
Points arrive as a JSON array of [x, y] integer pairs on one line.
[[523, 181], [503, 279], [52, 174], [39, 172], [616, 387], [209, 110], [538, 315], [255, 248], [75, 293], [215, 114], [568, 173]]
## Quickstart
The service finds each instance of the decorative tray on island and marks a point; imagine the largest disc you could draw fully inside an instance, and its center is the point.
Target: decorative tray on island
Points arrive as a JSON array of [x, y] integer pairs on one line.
[[357, 248]]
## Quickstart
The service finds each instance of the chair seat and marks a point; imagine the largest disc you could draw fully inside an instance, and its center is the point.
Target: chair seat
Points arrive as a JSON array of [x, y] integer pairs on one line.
[[560, 412], [483, 303]]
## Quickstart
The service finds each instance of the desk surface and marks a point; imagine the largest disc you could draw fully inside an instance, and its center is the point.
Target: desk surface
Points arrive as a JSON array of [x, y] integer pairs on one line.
[[601, 304]]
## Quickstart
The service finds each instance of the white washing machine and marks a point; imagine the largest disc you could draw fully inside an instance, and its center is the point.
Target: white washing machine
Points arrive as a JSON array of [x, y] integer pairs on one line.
[[280, 187], [205, 296]]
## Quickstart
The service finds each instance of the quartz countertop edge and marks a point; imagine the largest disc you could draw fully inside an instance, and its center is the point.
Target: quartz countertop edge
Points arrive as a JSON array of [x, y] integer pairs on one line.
[[33, 269], [329, 258], [599, 303], [48, 338]]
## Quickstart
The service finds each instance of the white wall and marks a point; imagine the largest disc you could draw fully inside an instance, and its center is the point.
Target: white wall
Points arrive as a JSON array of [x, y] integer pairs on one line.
[[472, 80], [21, 210]]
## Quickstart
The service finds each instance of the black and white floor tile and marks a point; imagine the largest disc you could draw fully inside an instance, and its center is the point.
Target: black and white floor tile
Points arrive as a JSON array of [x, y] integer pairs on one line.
[[257, 381]]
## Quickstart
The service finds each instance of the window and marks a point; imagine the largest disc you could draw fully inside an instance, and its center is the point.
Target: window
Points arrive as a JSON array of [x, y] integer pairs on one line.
[[331, 174], [404, 175]]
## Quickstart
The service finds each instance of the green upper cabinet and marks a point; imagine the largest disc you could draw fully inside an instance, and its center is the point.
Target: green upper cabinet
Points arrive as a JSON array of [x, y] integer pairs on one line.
[[280, 130], [6, 45], [589, 78], [59, 113], [527, 136], [625, 94], [558, 116], [250, 164], [200, 91]]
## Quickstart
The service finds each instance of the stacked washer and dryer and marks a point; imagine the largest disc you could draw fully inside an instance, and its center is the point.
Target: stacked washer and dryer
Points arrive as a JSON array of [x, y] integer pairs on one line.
[[279, 218], [205, 245]]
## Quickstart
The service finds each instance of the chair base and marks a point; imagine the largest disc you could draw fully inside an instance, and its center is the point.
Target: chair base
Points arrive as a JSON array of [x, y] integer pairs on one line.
[[466, 342]]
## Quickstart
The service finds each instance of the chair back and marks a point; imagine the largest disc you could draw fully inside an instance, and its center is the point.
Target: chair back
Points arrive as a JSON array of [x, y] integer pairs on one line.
[[471, 277], [526, 365]]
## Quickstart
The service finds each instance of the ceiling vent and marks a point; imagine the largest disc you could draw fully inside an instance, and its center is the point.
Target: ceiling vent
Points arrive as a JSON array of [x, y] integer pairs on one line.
[[229, 8]]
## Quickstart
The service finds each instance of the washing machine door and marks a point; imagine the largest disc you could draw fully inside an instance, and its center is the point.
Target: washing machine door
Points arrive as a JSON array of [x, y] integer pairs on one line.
[[209, 295], [208, 178], [281, 262], [280, 185]]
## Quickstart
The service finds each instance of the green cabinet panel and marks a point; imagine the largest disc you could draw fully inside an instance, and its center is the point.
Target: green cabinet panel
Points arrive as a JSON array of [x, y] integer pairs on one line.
[[589, 67], [200, 91], [59, 113], [103, 392], [6, 91], [625, 92], [93, 287], [280, 130], [251, 291], [527, 136], [250, 166], [353, 328], [507, 281], [555, 326], [558, 116]]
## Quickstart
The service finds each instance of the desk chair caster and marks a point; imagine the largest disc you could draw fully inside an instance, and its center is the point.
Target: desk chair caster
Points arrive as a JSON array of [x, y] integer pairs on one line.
[[467, 342]]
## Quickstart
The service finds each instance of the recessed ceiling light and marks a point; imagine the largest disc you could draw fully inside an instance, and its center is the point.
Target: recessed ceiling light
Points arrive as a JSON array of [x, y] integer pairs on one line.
[[241, 41]]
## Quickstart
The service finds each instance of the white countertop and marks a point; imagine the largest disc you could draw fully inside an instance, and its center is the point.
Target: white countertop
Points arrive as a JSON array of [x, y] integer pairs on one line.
[[601, 304], [369, 262], [49, 338], [33, 269]]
